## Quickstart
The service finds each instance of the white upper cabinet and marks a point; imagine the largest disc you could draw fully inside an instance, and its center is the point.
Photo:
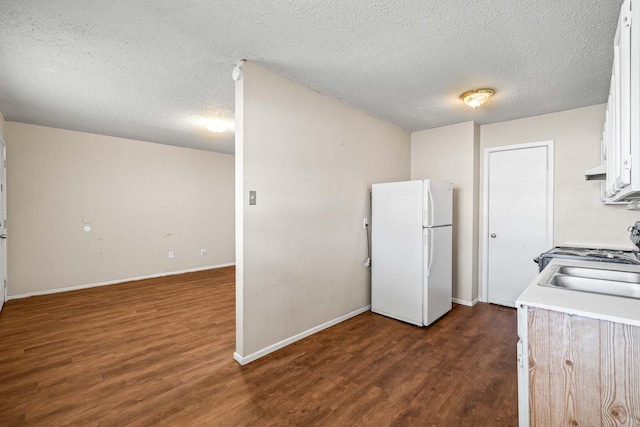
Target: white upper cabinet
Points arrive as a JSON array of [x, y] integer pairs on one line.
[[621, 132]]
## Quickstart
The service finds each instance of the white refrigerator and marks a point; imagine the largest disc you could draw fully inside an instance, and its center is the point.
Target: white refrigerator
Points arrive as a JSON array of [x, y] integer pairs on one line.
[[411, 257]]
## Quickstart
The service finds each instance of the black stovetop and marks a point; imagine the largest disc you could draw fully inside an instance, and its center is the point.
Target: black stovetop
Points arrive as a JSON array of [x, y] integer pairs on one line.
[[591, 252], [588, 254]]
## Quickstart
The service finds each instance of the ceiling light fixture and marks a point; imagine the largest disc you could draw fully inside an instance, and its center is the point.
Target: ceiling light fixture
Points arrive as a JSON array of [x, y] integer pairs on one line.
[[476, 97], [218, 126]]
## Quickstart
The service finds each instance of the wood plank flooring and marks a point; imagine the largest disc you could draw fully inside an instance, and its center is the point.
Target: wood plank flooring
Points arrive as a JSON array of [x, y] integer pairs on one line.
[[159, 352]]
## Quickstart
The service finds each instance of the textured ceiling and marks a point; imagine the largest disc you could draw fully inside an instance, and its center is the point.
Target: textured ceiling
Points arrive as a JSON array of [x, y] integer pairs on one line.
[[157, 70]]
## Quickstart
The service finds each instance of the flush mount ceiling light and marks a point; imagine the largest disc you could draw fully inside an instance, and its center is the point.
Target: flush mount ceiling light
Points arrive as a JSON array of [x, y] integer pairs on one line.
[[476, 97], [218, 126]]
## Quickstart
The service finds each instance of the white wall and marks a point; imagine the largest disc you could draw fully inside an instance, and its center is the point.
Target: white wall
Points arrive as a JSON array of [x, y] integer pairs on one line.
[[2, 125], [312, 161], [451, 154], [579, 217], [141, 200]]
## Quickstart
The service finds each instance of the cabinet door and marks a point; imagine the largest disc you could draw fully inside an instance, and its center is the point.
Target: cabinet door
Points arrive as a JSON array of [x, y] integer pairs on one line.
[[617, 131], [622, 48], [608, 137], [582, 371]]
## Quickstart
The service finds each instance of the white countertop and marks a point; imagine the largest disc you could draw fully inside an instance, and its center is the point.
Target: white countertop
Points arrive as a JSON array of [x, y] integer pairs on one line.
[[596, 306]]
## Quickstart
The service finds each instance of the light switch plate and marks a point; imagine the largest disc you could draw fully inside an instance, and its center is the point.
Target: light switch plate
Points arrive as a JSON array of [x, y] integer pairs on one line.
[[252, 197]]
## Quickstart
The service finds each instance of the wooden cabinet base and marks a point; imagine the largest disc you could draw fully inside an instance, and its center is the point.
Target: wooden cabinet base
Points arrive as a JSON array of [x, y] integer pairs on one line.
[[582, 371]]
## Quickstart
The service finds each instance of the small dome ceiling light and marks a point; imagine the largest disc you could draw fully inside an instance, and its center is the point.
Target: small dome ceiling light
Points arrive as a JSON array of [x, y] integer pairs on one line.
[[218, 126], [476, 97]]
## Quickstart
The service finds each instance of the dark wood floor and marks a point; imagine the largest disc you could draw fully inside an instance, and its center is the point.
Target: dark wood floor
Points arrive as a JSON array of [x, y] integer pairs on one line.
[[159, 352]]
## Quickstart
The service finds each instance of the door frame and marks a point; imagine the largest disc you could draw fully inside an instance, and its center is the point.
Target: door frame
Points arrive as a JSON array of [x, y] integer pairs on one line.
[[549, 144], [3, 217]]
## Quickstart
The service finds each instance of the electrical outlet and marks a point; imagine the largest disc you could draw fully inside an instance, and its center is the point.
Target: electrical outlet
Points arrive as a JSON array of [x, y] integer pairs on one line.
[[365, 223], [170, 254], [203, 252]]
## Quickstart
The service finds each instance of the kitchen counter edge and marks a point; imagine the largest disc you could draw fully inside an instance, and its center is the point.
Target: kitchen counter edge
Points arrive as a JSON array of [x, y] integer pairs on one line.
[[595, 306]]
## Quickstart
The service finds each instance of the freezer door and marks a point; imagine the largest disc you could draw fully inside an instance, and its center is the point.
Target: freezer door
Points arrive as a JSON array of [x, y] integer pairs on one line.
[[396, 263], [438, 270], [437, 203]]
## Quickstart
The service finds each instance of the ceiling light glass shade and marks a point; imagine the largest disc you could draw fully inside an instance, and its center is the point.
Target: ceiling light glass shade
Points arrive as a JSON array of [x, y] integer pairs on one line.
[[218, 126], [476, 97]]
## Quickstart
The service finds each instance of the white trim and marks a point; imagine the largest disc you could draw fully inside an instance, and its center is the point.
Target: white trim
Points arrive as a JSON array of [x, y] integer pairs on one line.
[[277, 346], [485, 203], [115, 282], [465, 302], [239, 208], [523, 366], [3, 216]]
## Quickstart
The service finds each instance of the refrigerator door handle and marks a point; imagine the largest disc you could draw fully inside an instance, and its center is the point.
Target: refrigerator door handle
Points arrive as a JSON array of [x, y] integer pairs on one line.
[[425, 214], [430, 219], [430, 249]]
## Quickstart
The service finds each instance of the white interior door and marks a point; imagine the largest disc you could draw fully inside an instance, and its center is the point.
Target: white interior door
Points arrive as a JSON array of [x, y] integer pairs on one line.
[[519, 213], [3, 225]]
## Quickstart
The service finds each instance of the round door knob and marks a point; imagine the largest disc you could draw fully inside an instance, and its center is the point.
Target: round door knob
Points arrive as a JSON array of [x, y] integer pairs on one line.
[[493, 235]]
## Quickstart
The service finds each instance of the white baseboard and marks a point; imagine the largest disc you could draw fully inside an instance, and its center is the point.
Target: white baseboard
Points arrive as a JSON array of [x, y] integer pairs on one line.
[[115, 282], [465, 302], [277, 346]]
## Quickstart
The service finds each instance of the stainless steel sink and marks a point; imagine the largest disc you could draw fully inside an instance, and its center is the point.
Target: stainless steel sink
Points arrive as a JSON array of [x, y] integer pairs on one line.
[[595, 280], [599, 273]]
